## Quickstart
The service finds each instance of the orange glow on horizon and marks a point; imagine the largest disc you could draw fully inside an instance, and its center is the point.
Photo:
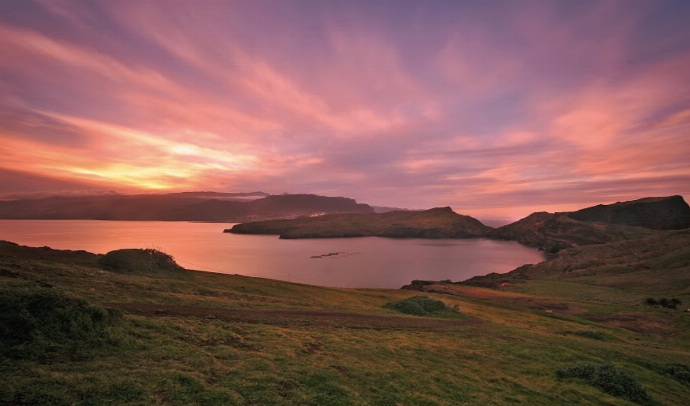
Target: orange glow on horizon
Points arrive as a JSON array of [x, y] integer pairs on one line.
[[493, 108]]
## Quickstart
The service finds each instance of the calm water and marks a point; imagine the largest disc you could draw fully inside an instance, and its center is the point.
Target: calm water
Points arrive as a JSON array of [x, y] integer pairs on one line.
[[356, 262]]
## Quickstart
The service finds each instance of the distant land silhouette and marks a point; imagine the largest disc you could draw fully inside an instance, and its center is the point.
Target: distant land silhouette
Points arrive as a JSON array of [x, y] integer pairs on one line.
[[192, 206], [599, 224], [550, 232]]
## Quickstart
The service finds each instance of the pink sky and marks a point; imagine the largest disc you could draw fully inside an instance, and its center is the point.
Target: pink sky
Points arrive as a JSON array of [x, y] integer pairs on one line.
[[495, 108]]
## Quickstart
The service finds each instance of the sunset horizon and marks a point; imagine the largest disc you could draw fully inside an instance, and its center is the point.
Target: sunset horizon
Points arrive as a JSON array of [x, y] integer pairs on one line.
[[497, 109]]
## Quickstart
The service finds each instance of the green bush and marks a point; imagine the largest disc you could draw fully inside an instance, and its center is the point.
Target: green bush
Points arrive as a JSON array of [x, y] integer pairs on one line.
[[679, 372], [139, 261], [606, 377], [39, 322], [594, 335], [422, 306], [663, 302]]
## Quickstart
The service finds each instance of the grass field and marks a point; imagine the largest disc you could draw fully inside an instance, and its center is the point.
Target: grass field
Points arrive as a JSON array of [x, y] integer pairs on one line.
[[195, 338]]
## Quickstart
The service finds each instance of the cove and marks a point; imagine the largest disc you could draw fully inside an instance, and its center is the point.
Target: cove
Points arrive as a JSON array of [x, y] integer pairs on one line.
[[368, 262]]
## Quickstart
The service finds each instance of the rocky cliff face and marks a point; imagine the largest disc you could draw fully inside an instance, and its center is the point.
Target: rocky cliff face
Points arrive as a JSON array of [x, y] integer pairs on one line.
[[657, 213]]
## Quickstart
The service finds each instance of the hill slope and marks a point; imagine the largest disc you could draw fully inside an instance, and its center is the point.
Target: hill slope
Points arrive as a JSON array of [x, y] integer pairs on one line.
[[658, 213], [599, 224], [657, 263], [216, 339]]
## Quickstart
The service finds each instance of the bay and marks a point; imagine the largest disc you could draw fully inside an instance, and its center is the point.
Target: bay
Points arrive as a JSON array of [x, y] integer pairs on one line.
[[368, 262]]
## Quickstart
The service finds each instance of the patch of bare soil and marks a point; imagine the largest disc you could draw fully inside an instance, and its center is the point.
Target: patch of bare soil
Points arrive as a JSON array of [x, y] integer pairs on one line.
[[514, 299], [293, 318], [644, 323]]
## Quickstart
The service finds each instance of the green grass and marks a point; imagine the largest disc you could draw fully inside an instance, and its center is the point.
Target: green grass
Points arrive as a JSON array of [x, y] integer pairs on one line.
[[498, 353], [609, 379], [44, 323]]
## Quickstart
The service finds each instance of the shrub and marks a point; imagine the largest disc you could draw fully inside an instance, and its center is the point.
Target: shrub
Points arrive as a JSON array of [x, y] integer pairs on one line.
[[663, 302], [422, 306], [139, 261], [594, 335], [38, 322], [606, 377], [679, 372], [652, 302]]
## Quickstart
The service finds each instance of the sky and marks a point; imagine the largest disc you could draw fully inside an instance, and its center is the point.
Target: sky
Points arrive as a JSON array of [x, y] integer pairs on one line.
[[495, 108]]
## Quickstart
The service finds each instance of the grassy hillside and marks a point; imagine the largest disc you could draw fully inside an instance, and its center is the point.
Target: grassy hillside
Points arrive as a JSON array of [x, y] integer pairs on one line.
[[184, 337], [440, 222], [599, 224], [554, 232], [657, 264]]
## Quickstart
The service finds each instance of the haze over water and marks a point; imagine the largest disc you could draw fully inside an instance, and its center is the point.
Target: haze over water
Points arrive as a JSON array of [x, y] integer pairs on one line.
[[354, 262]]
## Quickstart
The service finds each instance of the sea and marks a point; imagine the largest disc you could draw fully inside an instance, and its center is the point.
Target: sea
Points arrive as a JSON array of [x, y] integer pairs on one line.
[[367, 262]]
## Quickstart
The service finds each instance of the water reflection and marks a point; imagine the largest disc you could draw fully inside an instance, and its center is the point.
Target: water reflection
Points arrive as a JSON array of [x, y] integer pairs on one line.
[[348, 262]]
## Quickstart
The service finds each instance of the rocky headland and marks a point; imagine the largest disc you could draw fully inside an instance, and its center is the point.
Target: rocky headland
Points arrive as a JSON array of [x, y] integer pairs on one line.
[[440, 222], [601, 224]]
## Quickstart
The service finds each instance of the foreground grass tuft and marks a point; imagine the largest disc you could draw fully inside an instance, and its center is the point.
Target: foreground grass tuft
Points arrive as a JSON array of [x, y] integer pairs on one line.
[[39, 322], [422, 306], [608, 378], [679, 372]]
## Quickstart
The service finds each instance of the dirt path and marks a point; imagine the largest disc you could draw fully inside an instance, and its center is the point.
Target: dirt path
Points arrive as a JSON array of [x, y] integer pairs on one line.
[[297, 317], [509, 298]]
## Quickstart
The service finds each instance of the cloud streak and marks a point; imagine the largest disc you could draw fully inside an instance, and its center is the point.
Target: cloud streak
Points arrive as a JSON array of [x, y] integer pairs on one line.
[[495, 108]]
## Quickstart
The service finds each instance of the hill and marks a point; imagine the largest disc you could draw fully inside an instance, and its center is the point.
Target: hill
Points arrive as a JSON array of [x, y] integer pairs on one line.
[[641, 245], [599, 224], [134, 337], [657, 263], [440, 222], [193, 206], [658, 213]]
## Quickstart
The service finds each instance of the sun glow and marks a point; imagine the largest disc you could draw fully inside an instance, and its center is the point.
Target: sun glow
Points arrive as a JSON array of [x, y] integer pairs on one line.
[[457, 111]]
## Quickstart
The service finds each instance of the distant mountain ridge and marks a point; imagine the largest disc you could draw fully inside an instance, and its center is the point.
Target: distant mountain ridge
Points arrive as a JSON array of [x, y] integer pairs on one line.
[[191, 206], [550, 232]]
